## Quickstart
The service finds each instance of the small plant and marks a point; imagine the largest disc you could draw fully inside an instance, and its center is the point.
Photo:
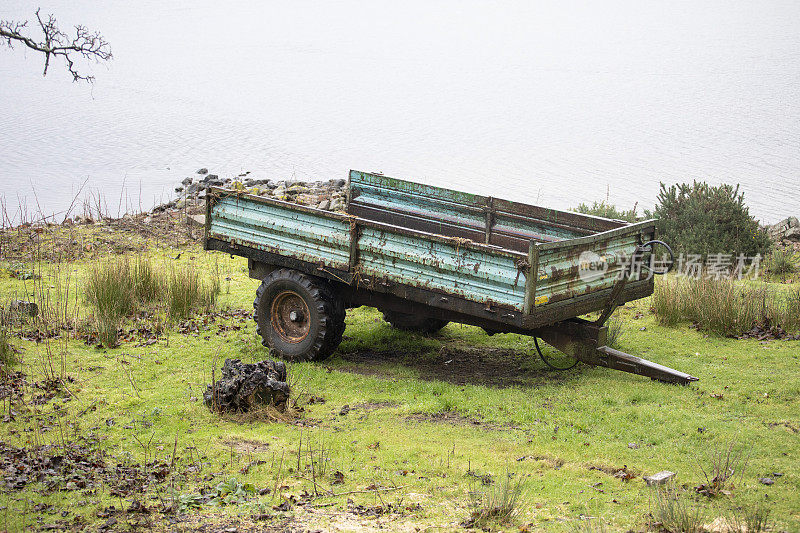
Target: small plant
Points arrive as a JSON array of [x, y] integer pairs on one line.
[[727, 466], [615, 331], [231, 492], [675, 513], [781, 261], [8, 355], [668, 300], [499, 503], [186, 292], [750, 518]]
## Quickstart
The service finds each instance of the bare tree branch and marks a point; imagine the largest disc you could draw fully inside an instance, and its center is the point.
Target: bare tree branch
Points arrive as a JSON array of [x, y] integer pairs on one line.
[[55, 43]]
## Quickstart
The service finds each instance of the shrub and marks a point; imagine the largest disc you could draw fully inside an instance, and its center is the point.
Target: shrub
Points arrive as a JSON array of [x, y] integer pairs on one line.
[[606, 210], [704, 219]]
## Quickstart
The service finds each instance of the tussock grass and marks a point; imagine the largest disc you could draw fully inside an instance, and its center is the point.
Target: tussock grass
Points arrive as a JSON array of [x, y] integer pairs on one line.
[[117, 288], [724, 306], [676, 513], [499, 503], [781, 261], [187, 291], [752, 518]]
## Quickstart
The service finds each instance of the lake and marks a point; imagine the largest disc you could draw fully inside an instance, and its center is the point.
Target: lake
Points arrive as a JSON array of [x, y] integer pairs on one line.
[[547, 103]]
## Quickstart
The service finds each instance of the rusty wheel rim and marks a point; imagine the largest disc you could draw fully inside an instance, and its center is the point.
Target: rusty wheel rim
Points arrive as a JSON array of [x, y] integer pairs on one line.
[[290, 317]]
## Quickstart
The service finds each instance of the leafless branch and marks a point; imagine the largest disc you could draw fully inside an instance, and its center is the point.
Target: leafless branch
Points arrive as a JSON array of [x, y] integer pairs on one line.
[[56, 43]]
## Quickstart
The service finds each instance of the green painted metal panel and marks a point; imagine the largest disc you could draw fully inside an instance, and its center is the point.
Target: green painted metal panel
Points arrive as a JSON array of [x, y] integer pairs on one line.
[[472, 274], [282, 229]]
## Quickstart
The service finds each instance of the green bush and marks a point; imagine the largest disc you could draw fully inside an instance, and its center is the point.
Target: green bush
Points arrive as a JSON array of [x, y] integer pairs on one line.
[[606, 210], [705, 219]]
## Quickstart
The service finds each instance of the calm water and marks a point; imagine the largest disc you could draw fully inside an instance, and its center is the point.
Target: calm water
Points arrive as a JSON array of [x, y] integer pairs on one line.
[[529, 102]]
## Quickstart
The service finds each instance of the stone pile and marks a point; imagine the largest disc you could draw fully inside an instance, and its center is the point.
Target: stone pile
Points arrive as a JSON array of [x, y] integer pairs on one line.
[[245, 386], [329, 195]]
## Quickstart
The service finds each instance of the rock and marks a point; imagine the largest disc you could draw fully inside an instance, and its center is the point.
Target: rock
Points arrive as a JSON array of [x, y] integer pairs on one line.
[[339, 183], [766, 480], [203, 171], [187, 181], [325, 204], [244, 386], [197, 220], [21, 307], [659, 478], [786, 229]]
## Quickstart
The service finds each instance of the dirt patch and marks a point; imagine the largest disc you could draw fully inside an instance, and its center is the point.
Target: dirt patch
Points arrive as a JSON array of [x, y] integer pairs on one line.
[[372, 406], [549, 460], [488, 366], [456, 419], [247, 446], [623, 473]]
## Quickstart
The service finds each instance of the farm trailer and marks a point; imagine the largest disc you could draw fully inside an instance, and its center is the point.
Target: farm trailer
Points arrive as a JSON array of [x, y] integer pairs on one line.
[[426, 256]]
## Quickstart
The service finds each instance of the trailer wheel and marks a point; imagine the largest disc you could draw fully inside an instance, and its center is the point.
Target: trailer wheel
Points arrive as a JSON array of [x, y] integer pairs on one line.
[[299, 317], [408, 322]]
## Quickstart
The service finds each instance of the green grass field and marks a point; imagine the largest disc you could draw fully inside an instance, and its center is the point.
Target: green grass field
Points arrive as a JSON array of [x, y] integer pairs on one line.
[[435, 425]]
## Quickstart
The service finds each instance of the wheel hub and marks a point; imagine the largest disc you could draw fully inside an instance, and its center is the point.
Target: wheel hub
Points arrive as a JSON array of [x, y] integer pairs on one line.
[[290, 317]]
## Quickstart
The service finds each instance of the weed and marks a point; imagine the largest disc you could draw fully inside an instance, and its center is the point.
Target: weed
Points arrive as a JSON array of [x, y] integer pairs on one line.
[[728, 464], [667, 300], [499, 503], [750, 518], [615, 331], [186, 292], [675, 513], [109, 289], [588, 526], [724, 306], [8, 354], [781, 262]]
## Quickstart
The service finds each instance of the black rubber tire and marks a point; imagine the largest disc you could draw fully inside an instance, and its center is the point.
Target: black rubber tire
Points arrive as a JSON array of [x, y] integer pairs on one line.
[[322, 329], [407, 322]]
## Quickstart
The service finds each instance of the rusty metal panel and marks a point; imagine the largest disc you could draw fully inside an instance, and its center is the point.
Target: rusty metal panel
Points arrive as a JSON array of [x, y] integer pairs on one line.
[[560, 273], [504, 223], [281, 228], [449, 268]]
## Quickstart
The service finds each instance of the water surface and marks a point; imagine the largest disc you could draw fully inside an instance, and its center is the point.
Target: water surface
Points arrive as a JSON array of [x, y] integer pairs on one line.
[[521, 100]]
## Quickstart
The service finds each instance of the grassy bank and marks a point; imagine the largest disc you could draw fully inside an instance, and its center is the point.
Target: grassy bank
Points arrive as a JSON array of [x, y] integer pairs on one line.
[[398, 430]]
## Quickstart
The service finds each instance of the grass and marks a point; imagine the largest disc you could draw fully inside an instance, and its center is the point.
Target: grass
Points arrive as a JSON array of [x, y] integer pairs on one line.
[[781, 262], [416, 423], [676, 513], [726, 307], [118, 287], [497, 504]]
